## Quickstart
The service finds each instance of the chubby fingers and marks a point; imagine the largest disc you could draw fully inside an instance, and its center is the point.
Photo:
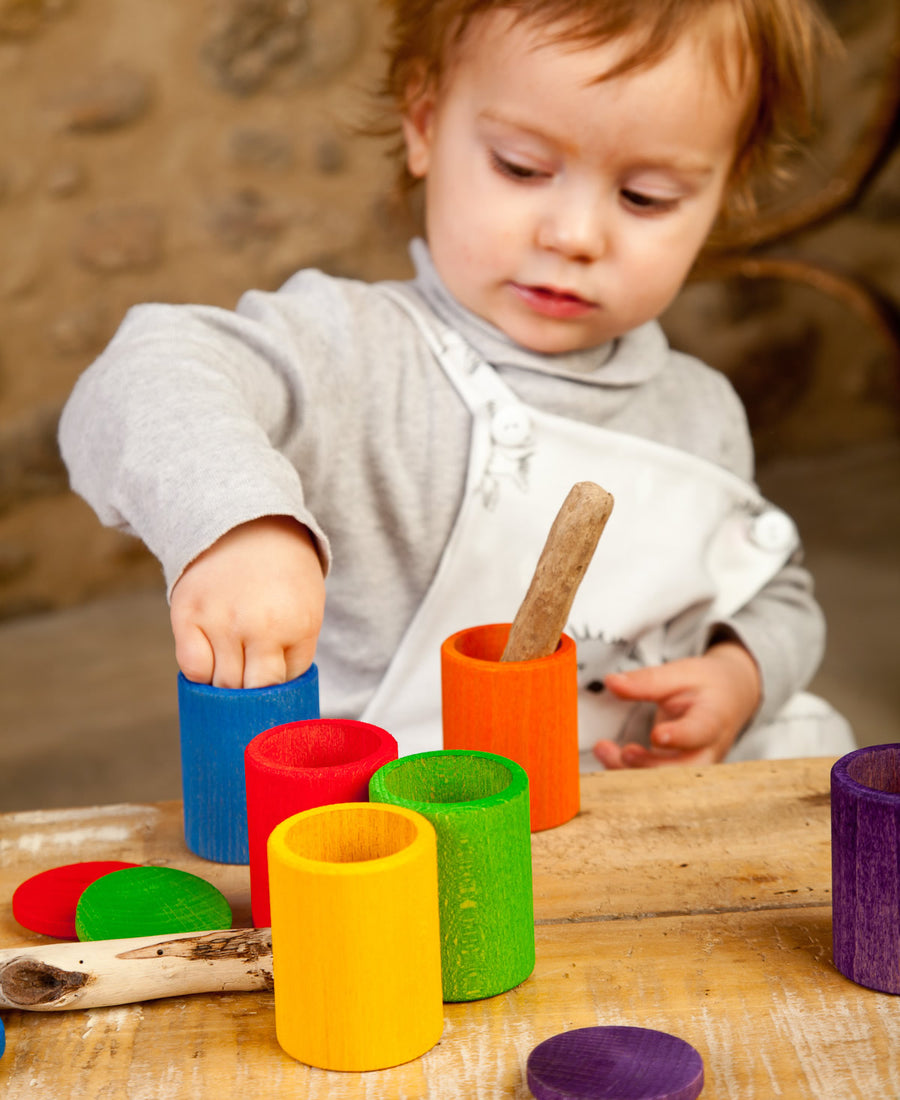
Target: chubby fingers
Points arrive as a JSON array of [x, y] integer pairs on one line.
[[193, 651], [638, 756], [262, 667], [609, 754], [654, 683], [247, 611], [616, 757], [208, 657], [223, 660], [265, 665], [693, 724], [687, 717]]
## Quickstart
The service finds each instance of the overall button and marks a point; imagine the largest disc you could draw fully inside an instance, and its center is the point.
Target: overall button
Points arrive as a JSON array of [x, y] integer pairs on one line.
[[773, 530], [511, 426]]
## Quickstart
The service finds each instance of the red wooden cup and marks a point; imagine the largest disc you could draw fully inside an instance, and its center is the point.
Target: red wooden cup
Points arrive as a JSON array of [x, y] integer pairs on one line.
[[526, 711], [300, 765]]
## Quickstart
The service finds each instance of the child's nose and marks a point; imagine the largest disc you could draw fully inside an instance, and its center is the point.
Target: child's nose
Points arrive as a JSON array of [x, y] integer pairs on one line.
[[576, 227]]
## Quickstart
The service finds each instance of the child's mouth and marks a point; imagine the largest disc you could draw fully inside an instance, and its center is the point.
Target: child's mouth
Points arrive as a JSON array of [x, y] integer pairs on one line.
[[553, 302]]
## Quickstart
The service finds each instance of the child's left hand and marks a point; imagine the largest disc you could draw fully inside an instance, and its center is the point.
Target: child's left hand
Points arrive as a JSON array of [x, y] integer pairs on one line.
[[702, 704]]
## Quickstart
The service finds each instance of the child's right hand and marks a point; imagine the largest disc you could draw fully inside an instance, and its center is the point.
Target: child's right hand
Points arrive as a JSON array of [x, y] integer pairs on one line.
[[702, 704], [247, 612]]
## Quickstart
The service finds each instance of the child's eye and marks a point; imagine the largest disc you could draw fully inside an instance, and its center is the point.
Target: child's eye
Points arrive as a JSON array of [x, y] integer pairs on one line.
[[513, 170], [647, 204]]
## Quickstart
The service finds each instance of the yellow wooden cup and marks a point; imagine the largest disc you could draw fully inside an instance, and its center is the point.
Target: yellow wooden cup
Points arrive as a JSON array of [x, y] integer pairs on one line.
[[355, 936]]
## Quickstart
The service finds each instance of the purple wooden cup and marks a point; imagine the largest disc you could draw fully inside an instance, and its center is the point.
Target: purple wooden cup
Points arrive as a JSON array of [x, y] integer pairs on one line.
[[865, 866]]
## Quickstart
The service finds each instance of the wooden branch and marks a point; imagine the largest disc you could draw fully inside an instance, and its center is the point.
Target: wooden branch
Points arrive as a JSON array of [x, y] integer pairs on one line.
[[567, 553], [116, 972]]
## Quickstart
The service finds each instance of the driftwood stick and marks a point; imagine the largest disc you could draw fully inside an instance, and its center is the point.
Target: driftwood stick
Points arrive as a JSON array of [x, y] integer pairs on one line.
[[117, 972], [567, 553]]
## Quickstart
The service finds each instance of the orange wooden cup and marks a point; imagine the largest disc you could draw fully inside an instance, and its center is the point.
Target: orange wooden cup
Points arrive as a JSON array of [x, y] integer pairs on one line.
[[526, 711]]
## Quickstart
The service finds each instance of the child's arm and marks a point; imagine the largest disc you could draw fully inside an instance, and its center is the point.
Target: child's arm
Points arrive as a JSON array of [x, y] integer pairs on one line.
[[703, 703], [248, 610]]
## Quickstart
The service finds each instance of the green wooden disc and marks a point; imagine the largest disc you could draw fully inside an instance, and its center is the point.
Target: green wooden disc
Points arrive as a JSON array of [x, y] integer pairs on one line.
[[149, 901]]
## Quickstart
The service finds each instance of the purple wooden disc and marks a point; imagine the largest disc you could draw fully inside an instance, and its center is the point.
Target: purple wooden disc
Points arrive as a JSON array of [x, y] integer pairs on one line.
[[615, 1063]]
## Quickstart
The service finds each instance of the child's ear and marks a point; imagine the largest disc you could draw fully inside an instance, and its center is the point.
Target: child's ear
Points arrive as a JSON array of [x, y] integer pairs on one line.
[[418, 119]]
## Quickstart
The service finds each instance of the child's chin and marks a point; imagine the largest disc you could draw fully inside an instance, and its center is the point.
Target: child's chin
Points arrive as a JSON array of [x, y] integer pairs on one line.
[[552, 339]]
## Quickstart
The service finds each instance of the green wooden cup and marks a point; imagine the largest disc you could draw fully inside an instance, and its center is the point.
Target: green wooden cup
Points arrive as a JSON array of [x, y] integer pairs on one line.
[[478, 803]]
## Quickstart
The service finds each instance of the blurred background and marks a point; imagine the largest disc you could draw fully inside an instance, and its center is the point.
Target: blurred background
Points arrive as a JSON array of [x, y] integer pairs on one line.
[[178, 151]]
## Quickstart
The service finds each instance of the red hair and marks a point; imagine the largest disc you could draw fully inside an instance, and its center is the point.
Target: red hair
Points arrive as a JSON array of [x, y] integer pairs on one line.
[[771, 46]]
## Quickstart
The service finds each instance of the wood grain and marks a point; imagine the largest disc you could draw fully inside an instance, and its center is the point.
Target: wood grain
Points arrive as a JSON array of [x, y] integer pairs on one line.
[[145, 901], [865, 821], [46, 902], [479, 807], [216, 725], [615, 1063], [355, 936], [298, 765], [694, 901], [524, 710]]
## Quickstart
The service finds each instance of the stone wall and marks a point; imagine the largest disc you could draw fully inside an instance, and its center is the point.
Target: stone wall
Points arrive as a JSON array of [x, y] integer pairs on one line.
[[816, 354], [184, 150]]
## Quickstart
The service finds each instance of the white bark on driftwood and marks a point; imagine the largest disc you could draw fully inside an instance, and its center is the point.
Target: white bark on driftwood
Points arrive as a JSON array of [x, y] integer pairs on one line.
[[116, 972]]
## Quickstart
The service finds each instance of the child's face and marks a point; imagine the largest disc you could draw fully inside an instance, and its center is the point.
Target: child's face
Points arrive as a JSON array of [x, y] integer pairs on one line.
[[564, 211]]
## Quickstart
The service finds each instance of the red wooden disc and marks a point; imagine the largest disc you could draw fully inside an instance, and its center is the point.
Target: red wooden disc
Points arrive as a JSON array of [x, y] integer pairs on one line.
[[46, 902]]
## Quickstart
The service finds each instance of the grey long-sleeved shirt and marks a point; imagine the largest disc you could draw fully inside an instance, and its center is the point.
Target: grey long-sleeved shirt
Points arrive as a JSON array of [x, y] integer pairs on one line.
[[321, 401]]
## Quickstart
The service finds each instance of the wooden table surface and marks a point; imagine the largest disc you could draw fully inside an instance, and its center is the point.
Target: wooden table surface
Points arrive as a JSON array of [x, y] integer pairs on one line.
[[695, 901]]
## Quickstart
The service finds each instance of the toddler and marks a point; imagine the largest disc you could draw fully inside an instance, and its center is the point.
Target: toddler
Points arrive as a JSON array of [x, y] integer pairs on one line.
[[355, 471]]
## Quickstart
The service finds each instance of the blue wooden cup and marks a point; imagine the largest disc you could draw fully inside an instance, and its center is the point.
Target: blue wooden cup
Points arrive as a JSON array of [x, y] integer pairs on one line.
[[217, 725]]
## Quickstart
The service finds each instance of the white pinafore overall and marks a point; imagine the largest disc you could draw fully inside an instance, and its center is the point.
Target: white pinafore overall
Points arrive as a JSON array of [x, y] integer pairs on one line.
[[687, 545]]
